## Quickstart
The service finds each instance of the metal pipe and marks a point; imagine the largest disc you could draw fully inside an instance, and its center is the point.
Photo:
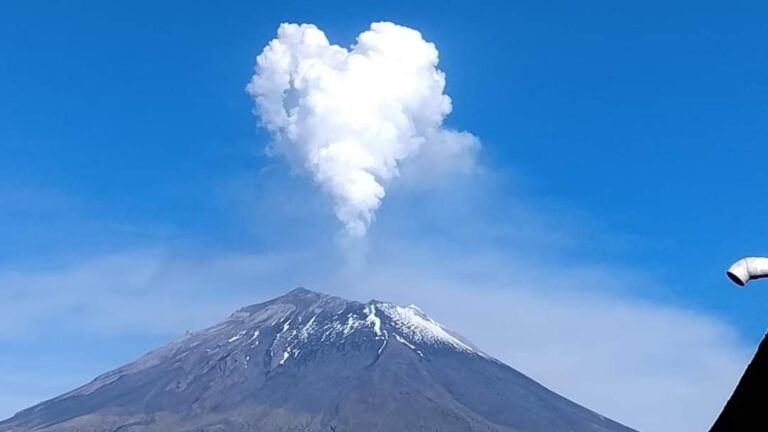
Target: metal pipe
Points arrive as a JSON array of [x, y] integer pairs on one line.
[[747, 269]]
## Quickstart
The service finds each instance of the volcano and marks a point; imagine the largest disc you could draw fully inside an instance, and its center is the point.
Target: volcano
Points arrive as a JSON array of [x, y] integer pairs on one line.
[[307, 361]]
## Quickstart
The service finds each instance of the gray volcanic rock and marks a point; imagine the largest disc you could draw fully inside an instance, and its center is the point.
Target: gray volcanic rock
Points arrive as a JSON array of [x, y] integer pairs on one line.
[[312, 362]]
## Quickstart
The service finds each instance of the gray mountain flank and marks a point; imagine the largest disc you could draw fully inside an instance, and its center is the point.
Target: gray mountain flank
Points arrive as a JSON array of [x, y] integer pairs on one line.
[[312, 362]]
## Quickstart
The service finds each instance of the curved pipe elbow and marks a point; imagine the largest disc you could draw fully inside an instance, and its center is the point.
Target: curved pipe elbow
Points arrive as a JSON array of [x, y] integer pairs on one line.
[[747, 269]]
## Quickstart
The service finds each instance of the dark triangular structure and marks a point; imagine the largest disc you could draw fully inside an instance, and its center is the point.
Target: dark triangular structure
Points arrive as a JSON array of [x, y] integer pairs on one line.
[[747, 409], [311, 362]]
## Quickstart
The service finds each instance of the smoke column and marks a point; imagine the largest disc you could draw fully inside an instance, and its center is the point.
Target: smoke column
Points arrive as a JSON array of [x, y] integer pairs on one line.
[[351, 117]]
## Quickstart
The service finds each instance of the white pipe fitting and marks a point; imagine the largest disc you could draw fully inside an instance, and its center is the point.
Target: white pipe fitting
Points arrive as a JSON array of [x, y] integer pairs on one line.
[[747, 269]]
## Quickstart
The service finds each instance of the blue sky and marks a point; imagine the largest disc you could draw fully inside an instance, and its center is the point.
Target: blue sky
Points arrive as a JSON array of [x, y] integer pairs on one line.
[[623, 150]]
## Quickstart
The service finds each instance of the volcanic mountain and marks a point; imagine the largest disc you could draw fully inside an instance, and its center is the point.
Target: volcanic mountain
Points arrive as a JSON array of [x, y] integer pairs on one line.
[[312, 362]]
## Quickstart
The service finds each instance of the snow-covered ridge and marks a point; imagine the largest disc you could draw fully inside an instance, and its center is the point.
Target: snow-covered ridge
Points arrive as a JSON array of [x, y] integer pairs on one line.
[[296, 324], [325, 321], [421, 329]]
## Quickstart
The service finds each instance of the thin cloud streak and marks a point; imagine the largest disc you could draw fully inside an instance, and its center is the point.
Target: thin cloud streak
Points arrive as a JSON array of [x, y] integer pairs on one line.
[[620, 356]]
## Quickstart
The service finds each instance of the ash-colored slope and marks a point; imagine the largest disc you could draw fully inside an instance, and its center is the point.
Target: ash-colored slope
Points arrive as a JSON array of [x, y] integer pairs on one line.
[[311, 362]]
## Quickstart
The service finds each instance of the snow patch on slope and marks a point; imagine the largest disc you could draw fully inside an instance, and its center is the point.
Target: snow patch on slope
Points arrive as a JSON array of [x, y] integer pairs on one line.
[[372, 319], [421, 329], [288, 328]]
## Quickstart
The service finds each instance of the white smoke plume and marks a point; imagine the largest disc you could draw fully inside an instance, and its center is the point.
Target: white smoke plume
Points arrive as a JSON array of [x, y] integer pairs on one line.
[[351, 117]]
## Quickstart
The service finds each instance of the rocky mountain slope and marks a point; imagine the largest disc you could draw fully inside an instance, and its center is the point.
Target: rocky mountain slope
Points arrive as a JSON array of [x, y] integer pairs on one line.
[[312, 362]]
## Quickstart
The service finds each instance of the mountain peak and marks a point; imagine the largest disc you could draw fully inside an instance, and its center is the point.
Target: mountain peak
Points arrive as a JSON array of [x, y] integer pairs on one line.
[[299, 297], [310, 317], [301, 291], [300, 294]]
